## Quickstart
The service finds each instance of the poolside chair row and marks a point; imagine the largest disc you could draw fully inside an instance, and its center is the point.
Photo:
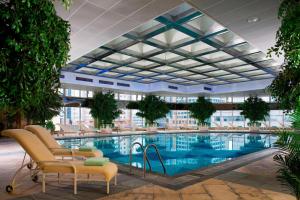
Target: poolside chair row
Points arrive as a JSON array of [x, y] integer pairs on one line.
[[43, 149]]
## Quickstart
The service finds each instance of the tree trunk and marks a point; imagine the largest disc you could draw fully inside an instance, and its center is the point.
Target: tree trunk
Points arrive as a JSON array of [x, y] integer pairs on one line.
[[95, 122], [18, 119]]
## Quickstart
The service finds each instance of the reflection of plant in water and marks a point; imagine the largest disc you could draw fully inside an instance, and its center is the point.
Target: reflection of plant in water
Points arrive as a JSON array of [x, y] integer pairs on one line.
[[203, 142], [255, 141], [104, 144], [150, 140]]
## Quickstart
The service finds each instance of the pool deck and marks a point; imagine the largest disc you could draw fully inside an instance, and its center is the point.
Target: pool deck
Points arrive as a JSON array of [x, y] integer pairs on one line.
[[253, 181], [128, 133]]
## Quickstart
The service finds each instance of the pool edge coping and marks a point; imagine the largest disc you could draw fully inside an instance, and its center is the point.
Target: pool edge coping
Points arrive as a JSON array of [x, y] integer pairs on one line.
[[202, 174]]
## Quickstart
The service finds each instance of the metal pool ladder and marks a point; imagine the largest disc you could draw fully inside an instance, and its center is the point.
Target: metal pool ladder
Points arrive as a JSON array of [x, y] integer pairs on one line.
[[145, 157]]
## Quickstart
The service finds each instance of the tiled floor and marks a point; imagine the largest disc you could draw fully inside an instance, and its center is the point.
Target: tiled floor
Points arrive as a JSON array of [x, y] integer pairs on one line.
[[253, 181]]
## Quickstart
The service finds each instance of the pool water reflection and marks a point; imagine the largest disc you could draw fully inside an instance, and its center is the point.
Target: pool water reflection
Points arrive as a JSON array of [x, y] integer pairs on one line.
[[181, 152]]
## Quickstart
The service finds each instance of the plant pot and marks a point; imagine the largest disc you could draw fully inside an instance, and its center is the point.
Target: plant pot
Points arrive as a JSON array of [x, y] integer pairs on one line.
[[152, 129], [203, 128], [106, 131], [254, 129]]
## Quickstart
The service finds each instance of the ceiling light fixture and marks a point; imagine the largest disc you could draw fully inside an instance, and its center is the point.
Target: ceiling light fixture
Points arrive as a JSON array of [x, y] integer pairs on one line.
[[252, 19]]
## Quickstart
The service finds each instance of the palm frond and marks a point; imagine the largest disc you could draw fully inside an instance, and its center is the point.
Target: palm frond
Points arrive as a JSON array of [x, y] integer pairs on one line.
[[288, 158]]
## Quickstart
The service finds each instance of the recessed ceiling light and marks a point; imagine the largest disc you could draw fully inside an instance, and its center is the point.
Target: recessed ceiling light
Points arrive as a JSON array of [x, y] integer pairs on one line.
[[252, 19]]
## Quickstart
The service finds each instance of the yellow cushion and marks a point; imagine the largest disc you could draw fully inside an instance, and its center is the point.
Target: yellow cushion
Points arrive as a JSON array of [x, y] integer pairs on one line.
[[31, 144], [108, 170], [44, 135], [68, 152]]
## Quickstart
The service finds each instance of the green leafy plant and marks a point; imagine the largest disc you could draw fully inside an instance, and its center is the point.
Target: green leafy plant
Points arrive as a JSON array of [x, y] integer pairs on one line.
[[152, 108], [254, 109], [288, 34], [285, 88], [288, 159], [295, 116], [50, 126], [34, 46], [45, 108], [104, 109], [201, 110]]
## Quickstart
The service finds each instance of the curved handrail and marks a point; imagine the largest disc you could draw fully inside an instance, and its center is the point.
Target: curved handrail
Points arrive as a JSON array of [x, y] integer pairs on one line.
[[130, 156], [157, 153]]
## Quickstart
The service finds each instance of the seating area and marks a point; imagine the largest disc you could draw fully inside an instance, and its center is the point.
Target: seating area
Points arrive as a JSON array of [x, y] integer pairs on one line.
[[43, 160]]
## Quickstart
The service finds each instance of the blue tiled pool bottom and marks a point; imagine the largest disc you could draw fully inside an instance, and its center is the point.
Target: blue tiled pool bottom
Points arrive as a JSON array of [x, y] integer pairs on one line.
[[181, 153]]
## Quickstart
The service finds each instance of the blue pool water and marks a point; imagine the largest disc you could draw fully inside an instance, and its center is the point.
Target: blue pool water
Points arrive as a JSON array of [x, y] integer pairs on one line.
[[180, 152]]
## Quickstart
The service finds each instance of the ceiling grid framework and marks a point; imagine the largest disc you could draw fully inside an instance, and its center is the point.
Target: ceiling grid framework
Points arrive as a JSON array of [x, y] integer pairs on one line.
[[183, 46]]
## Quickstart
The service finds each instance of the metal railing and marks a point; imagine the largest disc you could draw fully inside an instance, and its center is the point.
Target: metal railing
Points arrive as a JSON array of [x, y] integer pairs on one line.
[[130, 156], [157, 153], [145, 157]]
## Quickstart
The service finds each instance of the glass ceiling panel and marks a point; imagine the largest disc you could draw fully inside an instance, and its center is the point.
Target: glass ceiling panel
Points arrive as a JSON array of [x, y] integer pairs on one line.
[[218, 82], [208, 80], [117, 42], [245, 49], [205, 25], [203, 68], [255, 72], [96, 53], [227, 38], [129, 77], [146, 80], [243, 68], [269, 63], [140, 49], [163, 77], [164, 69], [217, 73], [230, 76], [191, 83], [101, 65], [144, 64], [82, 60], [111, 74], [239, 80], [196, 76], [171, 38], [146, 73], [167, 57], [217, 56], [125, 70], [197, 48], [263, 76], [187, 63], [230, 63], [177, 80], [88, 70], [257, 57], [119, 58], [181, 73]]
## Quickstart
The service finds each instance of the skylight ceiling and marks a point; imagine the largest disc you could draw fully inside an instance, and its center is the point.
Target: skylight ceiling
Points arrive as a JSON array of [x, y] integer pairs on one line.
[[184, 47]]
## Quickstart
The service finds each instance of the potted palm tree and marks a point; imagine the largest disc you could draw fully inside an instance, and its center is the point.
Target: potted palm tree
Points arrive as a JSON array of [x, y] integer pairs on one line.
[[254, 109], [201, 110], [152, 108], [104, 110]]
